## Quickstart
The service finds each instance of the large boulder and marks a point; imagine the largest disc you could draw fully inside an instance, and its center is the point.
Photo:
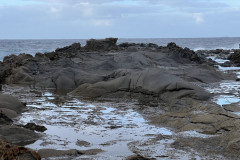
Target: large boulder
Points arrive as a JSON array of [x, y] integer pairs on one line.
[[17, 135], [149, 81], [20, 76], [69, 79], [10, 106], [10, 63]]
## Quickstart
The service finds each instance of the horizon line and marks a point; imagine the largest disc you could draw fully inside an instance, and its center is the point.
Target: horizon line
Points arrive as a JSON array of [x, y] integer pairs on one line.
[[112, 37]]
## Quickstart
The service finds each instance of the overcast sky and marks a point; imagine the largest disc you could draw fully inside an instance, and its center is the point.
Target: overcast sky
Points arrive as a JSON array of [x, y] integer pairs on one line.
[[83, 19]]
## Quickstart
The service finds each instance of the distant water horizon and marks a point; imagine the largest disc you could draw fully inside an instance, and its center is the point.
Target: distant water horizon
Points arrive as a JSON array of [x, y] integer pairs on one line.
[[32, 46]]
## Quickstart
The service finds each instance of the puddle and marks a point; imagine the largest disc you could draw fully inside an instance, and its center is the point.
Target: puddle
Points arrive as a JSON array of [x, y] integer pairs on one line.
[[194, 134], [218, 60], [225, 87], [227, 92], [106, 126], [228, 68], [113, 127], [226, 99]]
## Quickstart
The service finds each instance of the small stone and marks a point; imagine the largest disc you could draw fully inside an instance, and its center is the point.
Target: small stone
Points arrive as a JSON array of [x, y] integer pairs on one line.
[[83, 143]]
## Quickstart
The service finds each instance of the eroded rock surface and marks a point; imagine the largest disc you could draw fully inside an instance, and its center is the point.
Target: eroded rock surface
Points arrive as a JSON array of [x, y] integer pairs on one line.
[[11, 107], [154, 75], [103, 62], [235, 57]]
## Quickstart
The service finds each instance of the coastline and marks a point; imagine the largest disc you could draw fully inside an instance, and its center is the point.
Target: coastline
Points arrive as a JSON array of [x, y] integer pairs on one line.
[[167, 83]]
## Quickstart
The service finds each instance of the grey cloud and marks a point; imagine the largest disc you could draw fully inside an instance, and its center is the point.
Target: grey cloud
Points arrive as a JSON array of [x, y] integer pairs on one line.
[[103, 18]]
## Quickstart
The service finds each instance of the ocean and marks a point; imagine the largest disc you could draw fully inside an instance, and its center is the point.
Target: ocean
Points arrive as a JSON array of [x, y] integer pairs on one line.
[[8, 47]]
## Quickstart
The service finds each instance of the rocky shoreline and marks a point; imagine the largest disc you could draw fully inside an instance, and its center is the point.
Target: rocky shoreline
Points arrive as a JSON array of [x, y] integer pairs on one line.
[[168, 82]]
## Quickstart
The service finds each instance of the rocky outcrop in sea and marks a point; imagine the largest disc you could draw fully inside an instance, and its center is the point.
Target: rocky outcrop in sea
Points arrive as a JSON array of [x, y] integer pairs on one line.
[[169, 75]]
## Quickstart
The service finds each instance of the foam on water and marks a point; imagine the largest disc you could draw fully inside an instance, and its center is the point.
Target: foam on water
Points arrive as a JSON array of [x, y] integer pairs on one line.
[[228, 68], [218, 60]]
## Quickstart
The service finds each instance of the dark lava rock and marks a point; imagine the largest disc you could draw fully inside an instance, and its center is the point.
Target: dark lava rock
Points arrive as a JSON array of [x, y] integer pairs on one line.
[[152, 45], [4, 119], [101, 45], [65, 52], [178, 53], [17, 60], [17, 135], [226, 64], [72, 48], [126, 45], [34, 127], [10, 104], [138, 157], [143, 45], [10, 62], [217, 51], [235, 57]]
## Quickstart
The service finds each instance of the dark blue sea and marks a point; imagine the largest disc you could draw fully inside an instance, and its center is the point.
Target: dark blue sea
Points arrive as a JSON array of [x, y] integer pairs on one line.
[[8, 47]]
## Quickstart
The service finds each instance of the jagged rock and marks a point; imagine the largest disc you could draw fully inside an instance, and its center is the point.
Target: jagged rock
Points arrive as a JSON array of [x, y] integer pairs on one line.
[[217, 51], [226, 64], [72, 48], [152, 45], [178, 53], [235, 57], [71, 66], [15, 61], [34, 127], [138, 157], [101, 45], [67, 52], [11, 62], [20, 75], [126, 45], [140, 45]]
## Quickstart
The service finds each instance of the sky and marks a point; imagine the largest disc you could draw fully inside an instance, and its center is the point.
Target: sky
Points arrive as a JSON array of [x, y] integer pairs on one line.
[[84, 19]]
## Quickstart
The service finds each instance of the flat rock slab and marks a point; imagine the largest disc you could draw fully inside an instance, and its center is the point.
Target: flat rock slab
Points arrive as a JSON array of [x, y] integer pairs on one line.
[[46, 153], [18, 135]]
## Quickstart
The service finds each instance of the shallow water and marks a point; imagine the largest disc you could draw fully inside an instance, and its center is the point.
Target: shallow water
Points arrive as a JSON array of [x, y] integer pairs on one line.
[[113, 127], [227, 91], [218, 60]]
